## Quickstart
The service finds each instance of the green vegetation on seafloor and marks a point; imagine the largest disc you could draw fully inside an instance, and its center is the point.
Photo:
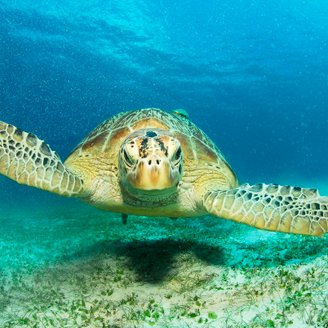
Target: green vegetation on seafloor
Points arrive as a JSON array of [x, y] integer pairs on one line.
[[79, 267]]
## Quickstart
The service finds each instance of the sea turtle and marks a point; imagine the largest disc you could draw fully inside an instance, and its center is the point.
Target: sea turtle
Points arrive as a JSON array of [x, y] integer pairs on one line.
[[154, 163]]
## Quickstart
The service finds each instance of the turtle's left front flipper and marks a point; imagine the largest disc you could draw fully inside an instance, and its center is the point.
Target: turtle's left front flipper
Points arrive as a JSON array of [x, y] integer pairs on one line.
[[272, 207], [28, 160]]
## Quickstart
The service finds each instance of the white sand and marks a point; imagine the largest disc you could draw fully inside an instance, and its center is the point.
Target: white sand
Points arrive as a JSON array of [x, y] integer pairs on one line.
[[83, 268]]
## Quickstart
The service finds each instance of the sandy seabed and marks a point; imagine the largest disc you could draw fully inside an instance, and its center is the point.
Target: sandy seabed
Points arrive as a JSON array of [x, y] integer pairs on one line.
[[75, 266]]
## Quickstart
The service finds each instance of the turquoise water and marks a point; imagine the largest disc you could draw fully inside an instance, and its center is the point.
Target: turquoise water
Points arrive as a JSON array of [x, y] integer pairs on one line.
[[251, 74]]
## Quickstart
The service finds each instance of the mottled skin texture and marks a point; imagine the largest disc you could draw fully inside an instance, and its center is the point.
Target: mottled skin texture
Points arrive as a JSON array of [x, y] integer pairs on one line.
[[153, 163], [28, 160]]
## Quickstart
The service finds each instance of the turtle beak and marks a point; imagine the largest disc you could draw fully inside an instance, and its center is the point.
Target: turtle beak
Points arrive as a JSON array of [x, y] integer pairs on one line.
[[154, 174]]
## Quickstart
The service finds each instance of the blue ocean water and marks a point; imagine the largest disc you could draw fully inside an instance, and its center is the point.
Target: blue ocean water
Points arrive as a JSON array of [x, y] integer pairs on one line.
[[252, 74]]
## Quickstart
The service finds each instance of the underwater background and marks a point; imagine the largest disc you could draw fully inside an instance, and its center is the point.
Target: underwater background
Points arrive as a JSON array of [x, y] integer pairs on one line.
[[252, 74]]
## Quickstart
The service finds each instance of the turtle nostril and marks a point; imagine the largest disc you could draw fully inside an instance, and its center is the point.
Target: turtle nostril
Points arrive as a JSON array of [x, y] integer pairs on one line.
[[158, 161], [149, 162]]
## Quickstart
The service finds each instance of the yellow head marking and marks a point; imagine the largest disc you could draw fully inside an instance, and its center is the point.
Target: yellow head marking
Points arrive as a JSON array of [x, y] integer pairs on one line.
[[151, 159]]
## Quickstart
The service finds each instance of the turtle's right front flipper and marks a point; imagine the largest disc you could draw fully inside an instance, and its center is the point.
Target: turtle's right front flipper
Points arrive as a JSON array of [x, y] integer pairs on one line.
[[28, 160]]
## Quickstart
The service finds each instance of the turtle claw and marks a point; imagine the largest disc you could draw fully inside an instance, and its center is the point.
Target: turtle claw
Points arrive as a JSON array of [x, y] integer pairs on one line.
[[124, 218]]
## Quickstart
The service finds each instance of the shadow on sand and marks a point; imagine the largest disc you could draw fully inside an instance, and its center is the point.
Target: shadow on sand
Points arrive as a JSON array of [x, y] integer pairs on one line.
[[153, 261]]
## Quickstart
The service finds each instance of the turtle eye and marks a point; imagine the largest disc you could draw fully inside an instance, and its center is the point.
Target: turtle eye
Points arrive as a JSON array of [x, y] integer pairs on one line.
[[128, 160], [177, 154]]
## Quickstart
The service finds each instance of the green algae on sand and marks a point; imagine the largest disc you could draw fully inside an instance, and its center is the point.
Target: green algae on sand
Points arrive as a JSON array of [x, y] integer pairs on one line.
[[79, 267]]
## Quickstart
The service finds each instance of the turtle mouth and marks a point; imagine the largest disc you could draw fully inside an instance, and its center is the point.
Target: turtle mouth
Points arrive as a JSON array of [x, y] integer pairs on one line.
[[153, 174]]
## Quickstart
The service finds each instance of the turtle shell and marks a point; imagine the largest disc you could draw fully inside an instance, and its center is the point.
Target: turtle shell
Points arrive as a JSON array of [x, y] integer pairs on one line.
[[103, 144]]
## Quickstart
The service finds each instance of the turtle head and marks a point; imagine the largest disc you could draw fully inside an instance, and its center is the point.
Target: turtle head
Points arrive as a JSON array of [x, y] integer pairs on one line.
[[151, 159]]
